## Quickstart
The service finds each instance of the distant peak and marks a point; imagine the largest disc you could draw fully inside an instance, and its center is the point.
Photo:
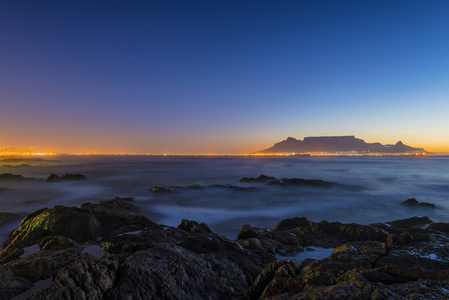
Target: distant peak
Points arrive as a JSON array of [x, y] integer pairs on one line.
[[337, 144]]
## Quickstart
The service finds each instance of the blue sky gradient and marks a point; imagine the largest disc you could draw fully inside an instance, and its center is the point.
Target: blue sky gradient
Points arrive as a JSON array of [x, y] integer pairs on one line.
[[221, 76]]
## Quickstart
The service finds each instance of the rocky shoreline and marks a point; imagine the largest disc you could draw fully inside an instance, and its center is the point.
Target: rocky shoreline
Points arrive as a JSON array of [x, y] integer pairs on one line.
[[97, 251]]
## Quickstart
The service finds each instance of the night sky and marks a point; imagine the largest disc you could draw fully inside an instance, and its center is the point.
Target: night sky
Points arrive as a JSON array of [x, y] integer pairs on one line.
[[221, 76]]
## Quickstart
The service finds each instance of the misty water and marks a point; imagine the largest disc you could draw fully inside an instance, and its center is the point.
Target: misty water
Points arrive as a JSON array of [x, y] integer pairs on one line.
[[371, 189]]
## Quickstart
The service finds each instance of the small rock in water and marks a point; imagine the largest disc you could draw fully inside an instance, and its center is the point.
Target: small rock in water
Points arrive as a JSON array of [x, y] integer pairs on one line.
[[117, 204], [11, 177], [414, 202], [159, 189], [66, 177], [261, 179]]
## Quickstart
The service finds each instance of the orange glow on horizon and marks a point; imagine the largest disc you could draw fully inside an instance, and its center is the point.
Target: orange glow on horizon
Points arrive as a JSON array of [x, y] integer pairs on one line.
[[246, 147]]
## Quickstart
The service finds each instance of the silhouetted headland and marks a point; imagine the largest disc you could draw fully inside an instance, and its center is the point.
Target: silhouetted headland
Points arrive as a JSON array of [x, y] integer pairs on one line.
[[333, 144]]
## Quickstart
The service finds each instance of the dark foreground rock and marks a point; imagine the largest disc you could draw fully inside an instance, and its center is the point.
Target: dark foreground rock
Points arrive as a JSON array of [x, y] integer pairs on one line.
[[290, 236], [96, 251], [402, 259], [365, 270]]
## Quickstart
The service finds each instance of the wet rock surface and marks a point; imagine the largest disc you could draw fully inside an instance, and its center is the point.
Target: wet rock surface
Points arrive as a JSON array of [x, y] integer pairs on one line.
[[402, 259], [97, 251], [139, 259]]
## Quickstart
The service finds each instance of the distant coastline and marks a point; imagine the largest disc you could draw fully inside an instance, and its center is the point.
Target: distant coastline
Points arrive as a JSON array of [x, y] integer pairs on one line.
[[340, 145], [310, 146]]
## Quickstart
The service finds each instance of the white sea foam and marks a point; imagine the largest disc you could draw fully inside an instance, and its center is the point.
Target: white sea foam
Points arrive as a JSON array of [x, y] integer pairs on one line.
[[373, 188]]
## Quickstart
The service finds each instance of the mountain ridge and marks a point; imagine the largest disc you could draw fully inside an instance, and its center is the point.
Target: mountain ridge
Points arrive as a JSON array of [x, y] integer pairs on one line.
[[332, 144]]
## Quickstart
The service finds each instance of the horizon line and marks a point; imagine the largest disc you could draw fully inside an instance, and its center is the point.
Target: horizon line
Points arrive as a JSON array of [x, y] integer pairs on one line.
[[318, 153]]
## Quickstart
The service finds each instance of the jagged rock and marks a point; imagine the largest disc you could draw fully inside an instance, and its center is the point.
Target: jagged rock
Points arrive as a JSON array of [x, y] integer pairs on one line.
[[367, 270], [159, 189], [180, 264], [439, 226], [53, 178], [309, 182], [261, 179], [79, 224], [291, 223], [194, 187], [141, 259], [5, 277], [414, 261], [259, 240], [288, 181], [410, 223], [66, 177], [75, 223], [279, 268], [290, 236], [116, 204], [414, 202], [42, 265], [56, 243], [11, 177], [240, 188], [324, 234], [85, 279], [194, 227]]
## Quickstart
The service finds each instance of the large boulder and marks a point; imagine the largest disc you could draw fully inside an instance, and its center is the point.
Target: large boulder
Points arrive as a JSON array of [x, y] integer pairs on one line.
[[291, 235], [94, 252], [366, 270]]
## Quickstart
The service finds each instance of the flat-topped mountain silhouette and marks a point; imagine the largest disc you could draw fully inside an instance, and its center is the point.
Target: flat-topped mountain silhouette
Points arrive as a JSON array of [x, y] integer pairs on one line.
[[332, 144]]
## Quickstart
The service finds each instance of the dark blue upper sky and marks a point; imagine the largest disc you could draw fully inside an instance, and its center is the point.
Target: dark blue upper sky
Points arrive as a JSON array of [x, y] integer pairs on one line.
[[221, 76]]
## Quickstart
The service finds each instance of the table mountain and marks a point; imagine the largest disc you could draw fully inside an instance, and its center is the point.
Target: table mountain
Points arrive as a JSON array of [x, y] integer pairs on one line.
[[333, 144]]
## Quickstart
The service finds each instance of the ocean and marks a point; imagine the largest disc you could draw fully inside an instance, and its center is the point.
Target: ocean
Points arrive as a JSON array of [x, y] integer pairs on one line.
[[207, 189]]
